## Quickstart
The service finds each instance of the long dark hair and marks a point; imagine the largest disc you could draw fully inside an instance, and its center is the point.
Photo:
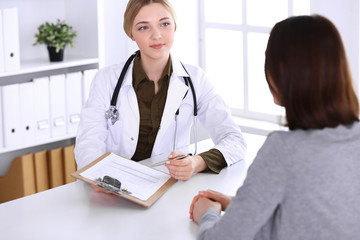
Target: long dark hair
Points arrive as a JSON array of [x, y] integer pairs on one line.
[[306, 68]]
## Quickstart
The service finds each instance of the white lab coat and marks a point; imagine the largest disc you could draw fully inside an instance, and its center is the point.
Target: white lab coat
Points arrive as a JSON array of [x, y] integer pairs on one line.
[[96, 135]]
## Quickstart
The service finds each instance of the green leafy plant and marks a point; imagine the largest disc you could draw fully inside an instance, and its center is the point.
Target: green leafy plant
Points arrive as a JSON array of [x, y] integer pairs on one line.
[[56, 35]]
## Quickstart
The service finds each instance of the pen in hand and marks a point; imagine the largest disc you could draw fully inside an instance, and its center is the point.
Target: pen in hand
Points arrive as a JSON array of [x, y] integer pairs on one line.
[[175, 158]]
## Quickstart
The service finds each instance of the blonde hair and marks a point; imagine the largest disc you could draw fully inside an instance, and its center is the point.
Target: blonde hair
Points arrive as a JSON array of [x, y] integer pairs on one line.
[[133, 7]]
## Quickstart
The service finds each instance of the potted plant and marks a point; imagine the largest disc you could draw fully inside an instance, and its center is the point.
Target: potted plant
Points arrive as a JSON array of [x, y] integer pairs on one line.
[[56, 36]]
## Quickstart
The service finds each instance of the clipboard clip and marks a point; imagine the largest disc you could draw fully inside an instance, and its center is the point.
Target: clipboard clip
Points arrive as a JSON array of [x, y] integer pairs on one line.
[[111, 184]]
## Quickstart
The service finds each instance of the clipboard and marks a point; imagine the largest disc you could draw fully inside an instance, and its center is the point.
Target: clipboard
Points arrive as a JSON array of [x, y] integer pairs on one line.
[[145, 203]]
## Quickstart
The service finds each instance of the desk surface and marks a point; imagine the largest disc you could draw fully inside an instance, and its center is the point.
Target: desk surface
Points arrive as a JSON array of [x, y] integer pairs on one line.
[[75, 211]]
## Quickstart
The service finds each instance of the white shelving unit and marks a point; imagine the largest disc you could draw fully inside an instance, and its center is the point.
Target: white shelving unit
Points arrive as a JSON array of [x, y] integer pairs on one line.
[[34, 60], [42, 65], [27, 148]]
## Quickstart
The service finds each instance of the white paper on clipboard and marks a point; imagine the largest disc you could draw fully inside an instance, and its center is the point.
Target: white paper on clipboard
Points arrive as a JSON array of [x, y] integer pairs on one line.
[[140, 180]]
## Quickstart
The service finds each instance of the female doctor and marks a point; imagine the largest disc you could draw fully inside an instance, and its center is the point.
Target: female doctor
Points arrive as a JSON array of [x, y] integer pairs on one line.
[[154, 111]]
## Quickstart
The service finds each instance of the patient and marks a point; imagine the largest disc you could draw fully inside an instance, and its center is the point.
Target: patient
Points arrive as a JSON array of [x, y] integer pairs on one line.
[[304, 183]]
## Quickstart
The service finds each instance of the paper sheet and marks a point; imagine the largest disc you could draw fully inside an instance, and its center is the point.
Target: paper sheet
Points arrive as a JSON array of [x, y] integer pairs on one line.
[[140, 180]]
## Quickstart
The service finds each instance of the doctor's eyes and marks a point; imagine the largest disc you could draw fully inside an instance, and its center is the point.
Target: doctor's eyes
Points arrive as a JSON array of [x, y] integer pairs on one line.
[[165, 24], [143, 28]]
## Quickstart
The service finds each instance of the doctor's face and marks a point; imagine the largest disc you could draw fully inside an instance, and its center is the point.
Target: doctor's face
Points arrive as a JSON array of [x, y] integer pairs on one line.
[[154, 30]]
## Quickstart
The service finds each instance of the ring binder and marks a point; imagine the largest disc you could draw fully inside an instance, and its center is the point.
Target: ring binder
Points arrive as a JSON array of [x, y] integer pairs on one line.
[[43, 124], [75, 118], [59, 121], [111, 184]]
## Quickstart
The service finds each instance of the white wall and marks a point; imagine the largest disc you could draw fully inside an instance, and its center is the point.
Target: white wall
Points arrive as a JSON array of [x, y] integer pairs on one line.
[[186, 46], [112, 38]]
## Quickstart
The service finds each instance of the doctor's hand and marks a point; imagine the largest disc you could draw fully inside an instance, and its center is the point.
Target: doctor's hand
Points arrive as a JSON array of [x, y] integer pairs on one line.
[[182, 169], [221, 198]]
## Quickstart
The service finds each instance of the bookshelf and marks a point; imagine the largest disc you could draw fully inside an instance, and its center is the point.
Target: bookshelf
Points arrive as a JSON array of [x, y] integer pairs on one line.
[[34, 61]]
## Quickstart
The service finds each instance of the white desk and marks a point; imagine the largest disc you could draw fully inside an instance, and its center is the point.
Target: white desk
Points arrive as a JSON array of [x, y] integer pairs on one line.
[[75, 211]]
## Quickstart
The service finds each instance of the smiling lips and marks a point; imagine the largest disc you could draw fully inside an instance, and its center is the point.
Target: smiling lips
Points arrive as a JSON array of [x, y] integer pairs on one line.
[[157, 46]]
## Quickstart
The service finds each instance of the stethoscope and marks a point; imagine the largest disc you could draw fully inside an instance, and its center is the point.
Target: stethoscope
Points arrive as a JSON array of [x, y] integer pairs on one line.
[[113, 113]]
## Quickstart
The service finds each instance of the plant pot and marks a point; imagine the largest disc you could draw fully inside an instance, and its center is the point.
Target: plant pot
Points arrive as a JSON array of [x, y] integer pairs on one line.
[[55, 56]]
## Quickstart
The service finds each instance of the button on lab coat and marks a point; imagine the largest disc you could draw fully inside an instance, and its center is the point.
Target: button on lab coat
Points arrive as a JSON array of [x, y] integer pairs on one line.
[[97, 135]]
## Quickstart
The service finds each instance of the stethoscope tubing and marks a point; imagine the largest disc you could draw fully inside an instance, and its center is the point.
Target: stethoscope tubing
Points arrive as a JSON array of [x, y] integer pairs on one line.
[[113, 113]]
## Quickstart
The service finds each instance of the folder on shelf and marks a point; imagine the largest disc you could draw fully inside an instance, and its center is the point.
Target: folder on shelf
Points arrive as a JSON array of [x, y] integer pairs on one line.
[[41, 171], [88, 76], [57, 105], [42, 108], [11, 115], [135, 182], [73, 101], [11, 39], [19, 181], [56, 167], [27, 121], [1, 121], [2, 53], [69, 163]]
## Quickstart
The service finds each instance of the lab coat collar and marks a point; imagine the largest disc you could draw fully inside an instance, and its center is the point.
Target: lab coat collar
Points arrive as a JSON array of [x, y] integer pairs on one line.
[[178, 69]]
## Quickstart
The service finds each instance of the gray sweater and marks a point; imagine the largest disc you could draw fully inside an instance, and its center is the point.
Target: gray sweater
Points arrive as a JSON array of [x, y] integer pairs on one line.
[[301, 185]]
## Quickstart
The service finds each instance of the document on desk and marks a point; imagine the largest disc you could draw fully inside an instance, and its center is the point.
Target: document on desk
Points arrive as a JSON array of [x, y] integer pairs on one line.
[[140, 180]]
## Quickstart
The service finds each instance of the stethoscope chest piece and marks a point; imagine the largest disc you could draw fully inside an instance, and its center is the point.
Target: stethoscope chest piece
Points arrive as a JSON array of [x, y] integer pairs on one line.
[[112, 114]]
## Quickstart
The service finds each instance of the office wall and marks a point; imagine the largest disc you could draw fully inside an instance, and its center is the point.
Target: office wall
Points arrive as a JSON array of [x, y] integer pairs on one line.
[[187, 41], [113, 41]]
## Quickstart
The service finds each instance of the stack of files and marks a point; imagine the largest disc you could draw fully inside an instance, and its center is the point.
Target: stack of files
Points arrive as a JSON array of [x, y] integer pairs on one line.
[[57, 105], [27, 107], [69, 164], [56, 167], [88, 76], [37, 172], [41, 171], [17, 103], [47, 107], [2, 53], [19, 181], [9, 40], [42, 108], [11, 114], [1, 122], [73, 91], [61, 164]]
